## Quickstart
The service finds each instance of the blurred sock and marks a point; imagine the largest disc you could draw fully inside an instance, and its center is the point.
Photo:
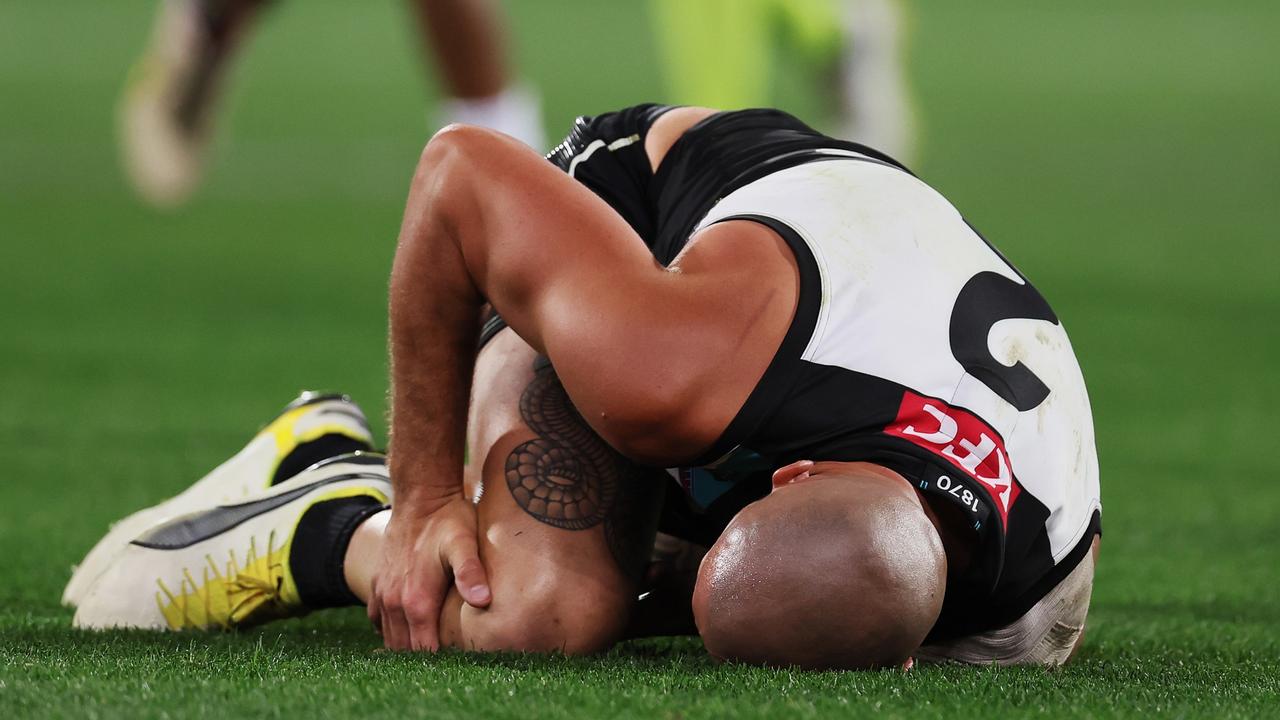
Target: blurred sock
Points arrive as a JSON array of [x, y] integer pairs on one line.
[[516, 111], [877, 103]]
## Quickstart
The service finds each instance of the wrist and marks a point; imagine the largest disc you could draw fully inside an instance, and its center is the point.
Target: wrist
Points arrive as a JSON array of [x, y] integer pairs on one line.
[[422, 501], [421, 488]]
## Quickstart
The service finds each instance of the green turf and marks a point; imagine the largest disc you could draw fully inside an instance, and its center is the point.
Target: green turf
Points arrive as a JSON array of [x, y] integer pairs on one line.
[[1124, 154]]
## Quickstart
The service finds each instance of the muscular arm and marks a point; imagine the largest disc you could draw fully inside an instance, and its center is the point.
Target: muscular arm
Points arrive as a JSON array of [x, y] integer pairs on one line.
[[478, 225], [657, 362], [615, 154], [433, 328], [433, 319]]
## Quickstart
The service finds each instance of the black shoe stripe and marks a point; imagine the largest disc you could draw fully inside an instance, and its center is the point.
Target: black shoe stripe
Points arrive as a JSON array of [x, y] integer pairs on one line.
[[359, 457], [201, 525]]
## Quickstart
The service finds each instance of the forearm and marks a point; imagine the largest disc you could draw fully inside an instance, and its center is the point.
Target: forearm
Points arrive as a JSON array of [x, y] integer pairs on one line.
[[433, 328]]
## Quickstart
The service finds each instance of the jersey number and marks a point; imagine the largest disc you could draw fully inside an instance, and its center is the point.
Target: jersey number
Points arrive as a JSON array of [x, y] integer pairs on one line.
[[985, 300]]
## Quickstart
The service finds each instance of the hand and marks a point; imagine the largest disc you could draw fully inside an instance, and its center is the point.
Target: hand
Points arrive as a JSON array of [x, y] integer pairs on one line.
[[419, 554]]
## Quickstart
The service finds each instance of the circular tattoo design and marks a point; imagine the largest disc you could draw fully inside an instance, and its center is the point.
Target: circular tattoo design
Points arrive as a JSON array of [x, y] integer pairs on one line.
[[567, 476]]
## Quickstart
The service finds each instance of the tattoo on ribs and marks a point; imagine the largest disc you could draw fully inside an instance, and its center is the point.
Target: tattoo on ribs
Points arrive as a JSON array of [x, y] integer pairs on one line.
[[569, 478]]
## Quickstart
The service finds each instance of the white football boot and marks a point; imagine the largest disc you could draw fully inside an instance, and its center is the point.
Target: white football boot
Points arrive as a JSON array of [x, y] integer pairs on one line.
[[166, 111], [310, 417], [227, 566]]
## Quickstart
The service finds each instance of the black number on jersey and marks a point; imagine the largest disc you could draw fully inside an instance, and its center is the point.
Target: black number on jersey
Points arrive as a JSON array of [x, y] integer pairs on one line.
[[985, 300]]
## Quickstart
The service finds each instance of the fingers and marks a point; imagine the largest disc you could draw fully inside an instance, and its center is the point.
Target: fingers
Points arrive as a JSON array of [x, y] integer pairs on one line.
[[410, 610], [471, 583], [409, 589], [462, 555], [393, 623], [405, 619], [420, 609]]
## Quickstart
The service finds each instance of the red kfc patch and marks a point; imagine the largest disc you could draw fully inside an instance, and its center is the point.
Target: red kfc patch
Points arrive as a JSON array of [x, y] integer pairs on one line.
[[964, 440]]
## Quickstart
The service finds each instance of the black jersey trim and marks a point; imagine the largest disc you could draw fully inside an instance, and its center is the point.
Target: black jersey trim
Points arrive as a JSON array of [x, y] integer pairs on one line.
[[760, 171], [972, 615], [772, 389], [725, 151], [686, 138], [796, 158], [692, 133], [1015, 609]]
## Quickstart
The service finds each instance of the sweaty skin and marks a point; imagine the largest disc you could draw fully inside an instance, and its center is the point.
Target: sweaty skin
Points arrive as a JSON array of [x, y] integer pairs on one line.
[[839, 567], [555, 587], [657, 362], [842, 566]]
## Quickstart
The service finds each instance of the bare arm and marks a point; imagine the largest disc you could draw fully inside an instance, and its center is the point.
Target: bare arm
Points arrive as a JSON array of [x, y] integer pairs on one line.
[[432, 533], [433, 327], [656, 362]]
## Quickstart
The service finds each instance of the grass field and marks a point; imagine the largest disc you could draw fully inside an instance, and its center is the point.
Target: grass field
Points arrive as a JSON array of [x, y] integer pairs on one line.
[[1126, 156]]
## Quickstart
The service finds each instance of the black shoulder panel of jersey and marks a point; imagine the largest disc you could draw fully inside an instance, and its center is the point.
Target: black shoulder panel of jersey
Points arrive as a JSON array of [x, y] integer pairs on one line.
[[606, 154], [713, 158], [722, 153]]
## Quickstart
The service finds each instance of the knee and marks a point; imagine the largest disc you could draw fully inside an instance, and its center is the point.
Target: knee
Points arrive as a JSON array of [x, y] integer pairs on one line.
[[565, 620]]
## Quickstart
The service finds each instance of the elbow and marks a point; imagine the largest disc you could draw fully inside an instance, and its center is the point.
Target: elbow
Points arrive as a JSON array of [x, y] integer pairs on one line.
[[655, 428]]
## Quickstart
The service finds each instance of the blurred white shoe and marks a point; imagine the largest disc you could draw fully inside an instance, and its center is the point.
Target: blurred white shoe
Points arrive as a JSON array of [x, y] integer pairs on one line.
[[165, 116], [269, 458]]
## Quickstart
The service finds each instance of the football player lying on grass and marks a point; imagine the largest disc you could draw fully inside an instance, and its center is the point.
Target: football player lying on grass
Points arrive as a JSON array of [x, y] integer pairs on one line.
[[723, 294]]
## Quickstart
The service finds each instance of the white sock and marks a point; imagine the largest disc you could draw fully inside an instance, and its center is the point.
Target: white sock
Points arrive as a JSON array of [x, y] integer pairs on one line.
[[516, 111], [877, 105]]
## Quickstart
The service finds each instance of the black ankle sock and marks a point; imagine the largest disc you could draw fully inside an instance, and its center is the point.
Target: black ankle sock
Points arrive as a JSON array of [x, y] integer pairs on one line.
[[320, 549], [312, 452]]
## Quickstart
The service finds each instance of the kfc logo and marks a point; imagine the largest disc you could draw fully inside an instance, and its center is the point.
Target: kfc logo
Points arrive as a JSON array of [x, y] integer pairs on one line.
[[963, 439]]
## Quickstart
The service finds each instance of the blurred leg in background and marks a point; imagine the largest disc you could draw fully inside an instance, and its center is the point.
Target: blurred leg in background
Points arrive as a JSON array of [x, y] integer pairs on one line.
[[171, 101], [875, 98], [720, 53], [467, 40]]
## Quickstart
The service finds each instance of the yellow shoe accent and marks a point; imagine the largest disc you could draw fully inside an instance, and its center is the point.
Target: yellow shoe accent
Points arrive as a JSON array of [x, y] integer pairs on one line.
[[242, 594], [250, 471], [287, 439], [261, 589]]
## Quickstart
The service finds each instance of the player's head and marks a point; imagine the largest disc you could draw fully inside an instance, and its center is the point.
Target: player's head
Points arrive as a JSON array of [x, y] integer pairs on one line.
[[841, 570]]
